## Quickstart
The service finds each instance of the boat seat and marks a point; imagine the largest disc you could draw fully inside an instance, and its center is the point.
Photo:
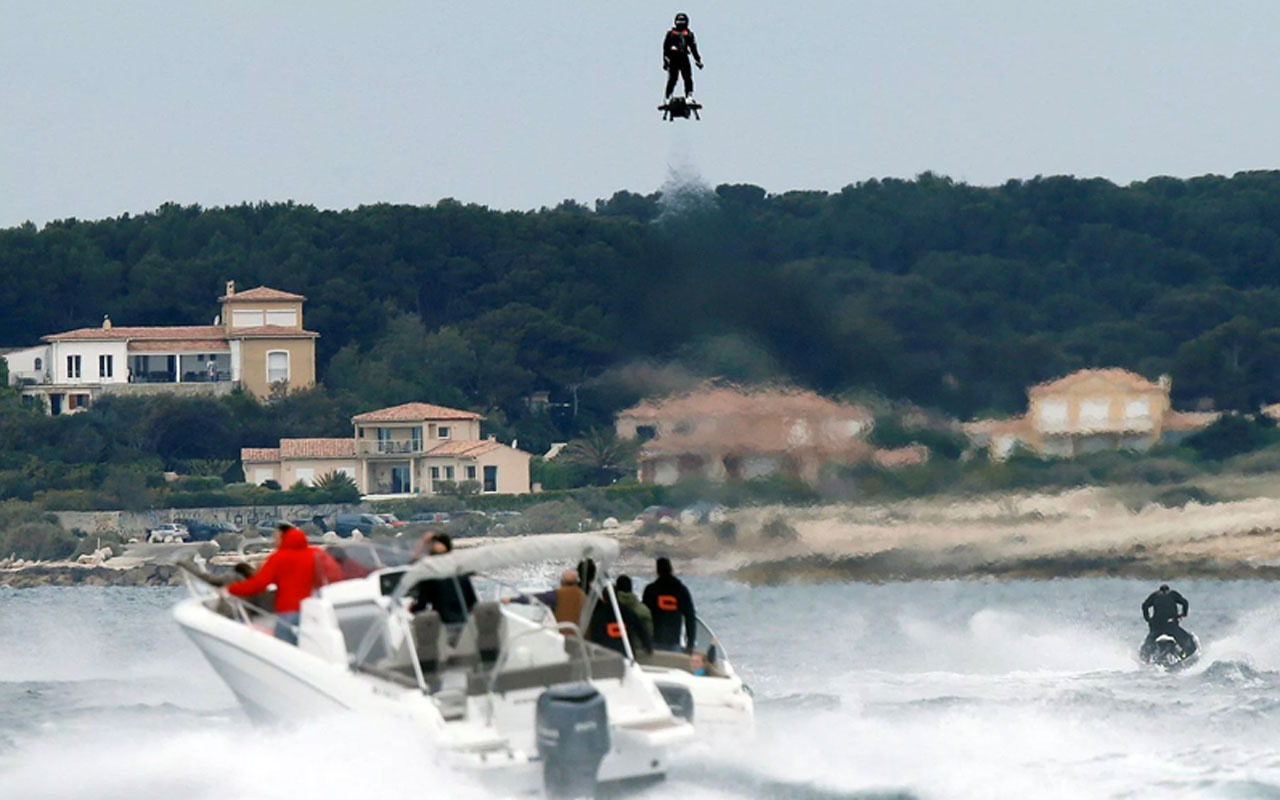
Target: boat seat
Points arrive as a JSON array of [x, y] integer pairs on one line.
[[491, 628], [605, 663], [430, 640], [671, 659]]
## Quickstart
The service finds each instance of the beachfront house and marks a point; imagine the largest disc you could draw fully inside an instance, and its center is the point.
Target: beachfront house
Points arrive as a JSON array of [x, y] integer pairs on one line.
[[1087, 412], [414, 448], [256, 342], [720, 434]]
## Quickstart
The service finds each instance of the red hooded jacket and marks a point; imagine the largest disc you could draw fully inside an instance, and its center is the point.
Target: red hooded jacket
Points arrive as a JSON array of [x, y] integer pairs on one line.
[[296, 568]]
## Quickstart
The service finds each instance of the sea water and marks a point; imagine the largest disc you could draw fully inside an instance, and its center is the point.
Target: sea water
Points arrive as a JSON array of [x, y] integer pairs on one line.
[[918, 690]]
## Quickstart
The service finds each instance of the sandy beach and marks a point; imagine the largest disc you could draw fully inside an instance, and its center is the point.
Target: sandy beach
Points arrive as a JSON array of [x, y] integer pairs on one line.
[[1085, 532]]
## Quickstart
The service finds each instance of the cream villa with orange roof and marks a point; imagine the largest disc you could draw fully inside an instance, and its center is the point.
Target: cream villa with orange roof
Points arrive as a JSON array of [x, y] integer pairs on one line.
[[721, 433], [257, 342], [415, 448], [1090, 411]]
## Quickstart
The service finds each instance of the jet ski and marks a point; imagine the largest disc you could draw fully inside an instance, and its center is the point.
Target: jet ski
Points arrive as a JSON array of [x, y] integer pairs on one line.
[[1167, 654]]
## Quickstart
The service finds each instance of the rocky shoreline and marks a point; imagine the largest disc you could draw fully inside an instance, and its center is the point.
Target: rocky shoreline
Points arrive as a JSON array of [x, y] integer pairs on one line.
[[1083, 533], [67, 574]]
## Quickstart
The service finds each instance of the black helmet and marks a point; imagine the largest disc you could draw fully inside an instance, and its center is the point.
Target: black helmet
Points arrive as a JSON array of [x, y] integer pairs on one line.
[[682, 20]]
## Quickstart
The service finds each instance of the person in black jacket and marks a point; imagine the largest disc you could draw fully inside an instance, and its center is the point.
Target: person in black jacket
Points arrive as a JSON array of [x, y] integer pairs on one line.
[[1162, 609], [453, 598], [603, 627], [677, 46], [671, 604]]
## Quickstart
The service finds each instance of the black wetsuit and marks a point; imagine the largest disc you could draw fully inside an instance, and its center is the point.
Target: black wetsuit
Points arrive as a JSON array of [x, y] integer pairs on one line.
[[1161, 610], [671, 604], [678, 45]]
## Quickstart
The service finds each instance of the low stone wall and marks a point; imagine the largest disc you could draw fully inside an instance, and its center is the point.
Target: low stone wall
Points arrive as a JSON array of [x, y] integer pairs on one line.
[[137, 523]]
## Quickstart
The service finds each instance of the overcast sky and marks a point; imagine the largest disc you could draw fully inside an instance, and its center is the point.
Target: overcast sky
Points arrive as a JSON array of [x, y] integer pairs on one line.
[[107, 108]]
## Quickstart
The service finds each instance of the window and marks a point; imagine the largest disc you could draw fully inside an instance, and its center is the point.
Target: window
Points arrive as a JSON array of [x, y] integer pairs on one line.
[[384, 440], [1137, 409], [285, 319], [277, 366], [416, 435], [39, 364], [73, 366], [1093, 411], [435, 475], [491, 479], [471, 473], [443, 432], [448, 473], [104, 366], [247, 319], [1053, 412]]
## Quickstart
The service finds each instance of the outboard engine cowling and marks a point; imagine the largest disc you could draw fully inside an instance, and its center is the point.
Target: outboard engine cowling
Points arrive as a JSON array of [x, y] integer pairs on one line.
[[679, 700], [573, 738]]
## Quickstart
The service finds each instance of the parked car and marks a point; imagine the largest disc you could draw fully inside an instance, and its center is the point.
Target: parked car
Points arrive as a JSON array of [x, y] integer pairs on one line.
[[201, 530], [702, 513], [430, 516], [658, 514], [344, 524], [168, 532], [390, 519]]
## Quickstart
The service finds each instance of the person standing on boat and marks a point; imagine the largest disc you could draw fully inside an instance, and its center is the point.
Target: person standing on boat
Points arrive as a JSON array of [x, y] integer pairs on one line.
[[671, 605], [627, 599], [297, 569], [452, 598], [1162, 609], [566, 601]]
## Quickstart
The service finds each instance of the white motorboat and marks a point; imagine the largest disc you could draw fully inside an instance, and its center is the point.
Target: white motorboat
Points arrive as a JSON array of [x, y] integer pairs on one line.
[[525, 703], [722, 706]]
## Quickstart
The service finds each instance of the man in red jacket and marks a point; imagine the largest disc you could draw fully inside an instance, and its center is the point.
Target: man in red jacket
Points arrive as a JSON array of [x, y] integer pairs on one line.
[[296, 568]]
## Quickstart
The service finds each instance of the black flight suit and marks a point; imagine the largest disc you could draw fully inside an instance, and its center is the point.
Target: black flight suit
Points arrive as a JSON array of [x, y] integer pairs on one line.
[[678, 45]]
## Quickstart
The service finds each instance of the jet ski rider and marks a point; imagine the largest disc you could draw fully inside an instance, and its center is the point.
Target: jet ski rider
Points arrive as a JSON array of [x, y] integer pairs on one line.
[[1162, 609]]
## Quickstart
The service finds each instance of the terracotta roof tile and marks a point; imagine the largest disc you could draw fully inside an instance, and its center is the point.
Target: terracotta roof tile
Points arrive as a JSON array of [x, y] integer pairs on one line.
[[413, 412], [270, 331], [771, 402], [468, 449], [1113, 375], [118, 333], [1190, 420], [317, 448], [182, 346], [259, 455], [258, 295]]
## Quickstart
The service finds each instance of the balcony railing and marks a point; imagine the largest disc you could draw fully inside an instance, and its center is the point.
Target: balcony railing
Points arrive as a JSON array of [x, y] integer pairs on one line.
[[388, 447]]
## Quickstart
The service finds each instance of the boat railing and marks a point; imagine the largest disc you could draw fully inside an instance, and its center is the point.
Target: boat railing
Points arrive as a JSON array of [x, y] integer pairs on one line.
[[711, 648], [229, 605]]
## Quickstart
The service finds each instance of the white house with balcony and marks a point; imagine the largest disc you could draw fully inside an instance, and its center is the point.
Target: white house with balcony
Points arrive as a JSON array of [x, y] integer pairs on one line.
[[415, 448], [257, 342]]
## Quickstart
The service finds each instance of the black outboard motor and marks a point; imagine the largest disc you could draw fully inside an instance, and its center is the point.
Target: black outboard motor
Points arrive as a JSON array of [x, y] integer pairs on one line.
[[573, 738], [679, 700]]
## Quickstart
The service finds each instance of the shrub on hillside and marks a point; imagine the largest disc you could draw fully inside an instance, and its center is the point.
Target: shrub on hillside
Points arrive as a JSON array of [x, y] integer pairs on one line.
[[37, 540], [1179, 497], [776, 528]]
